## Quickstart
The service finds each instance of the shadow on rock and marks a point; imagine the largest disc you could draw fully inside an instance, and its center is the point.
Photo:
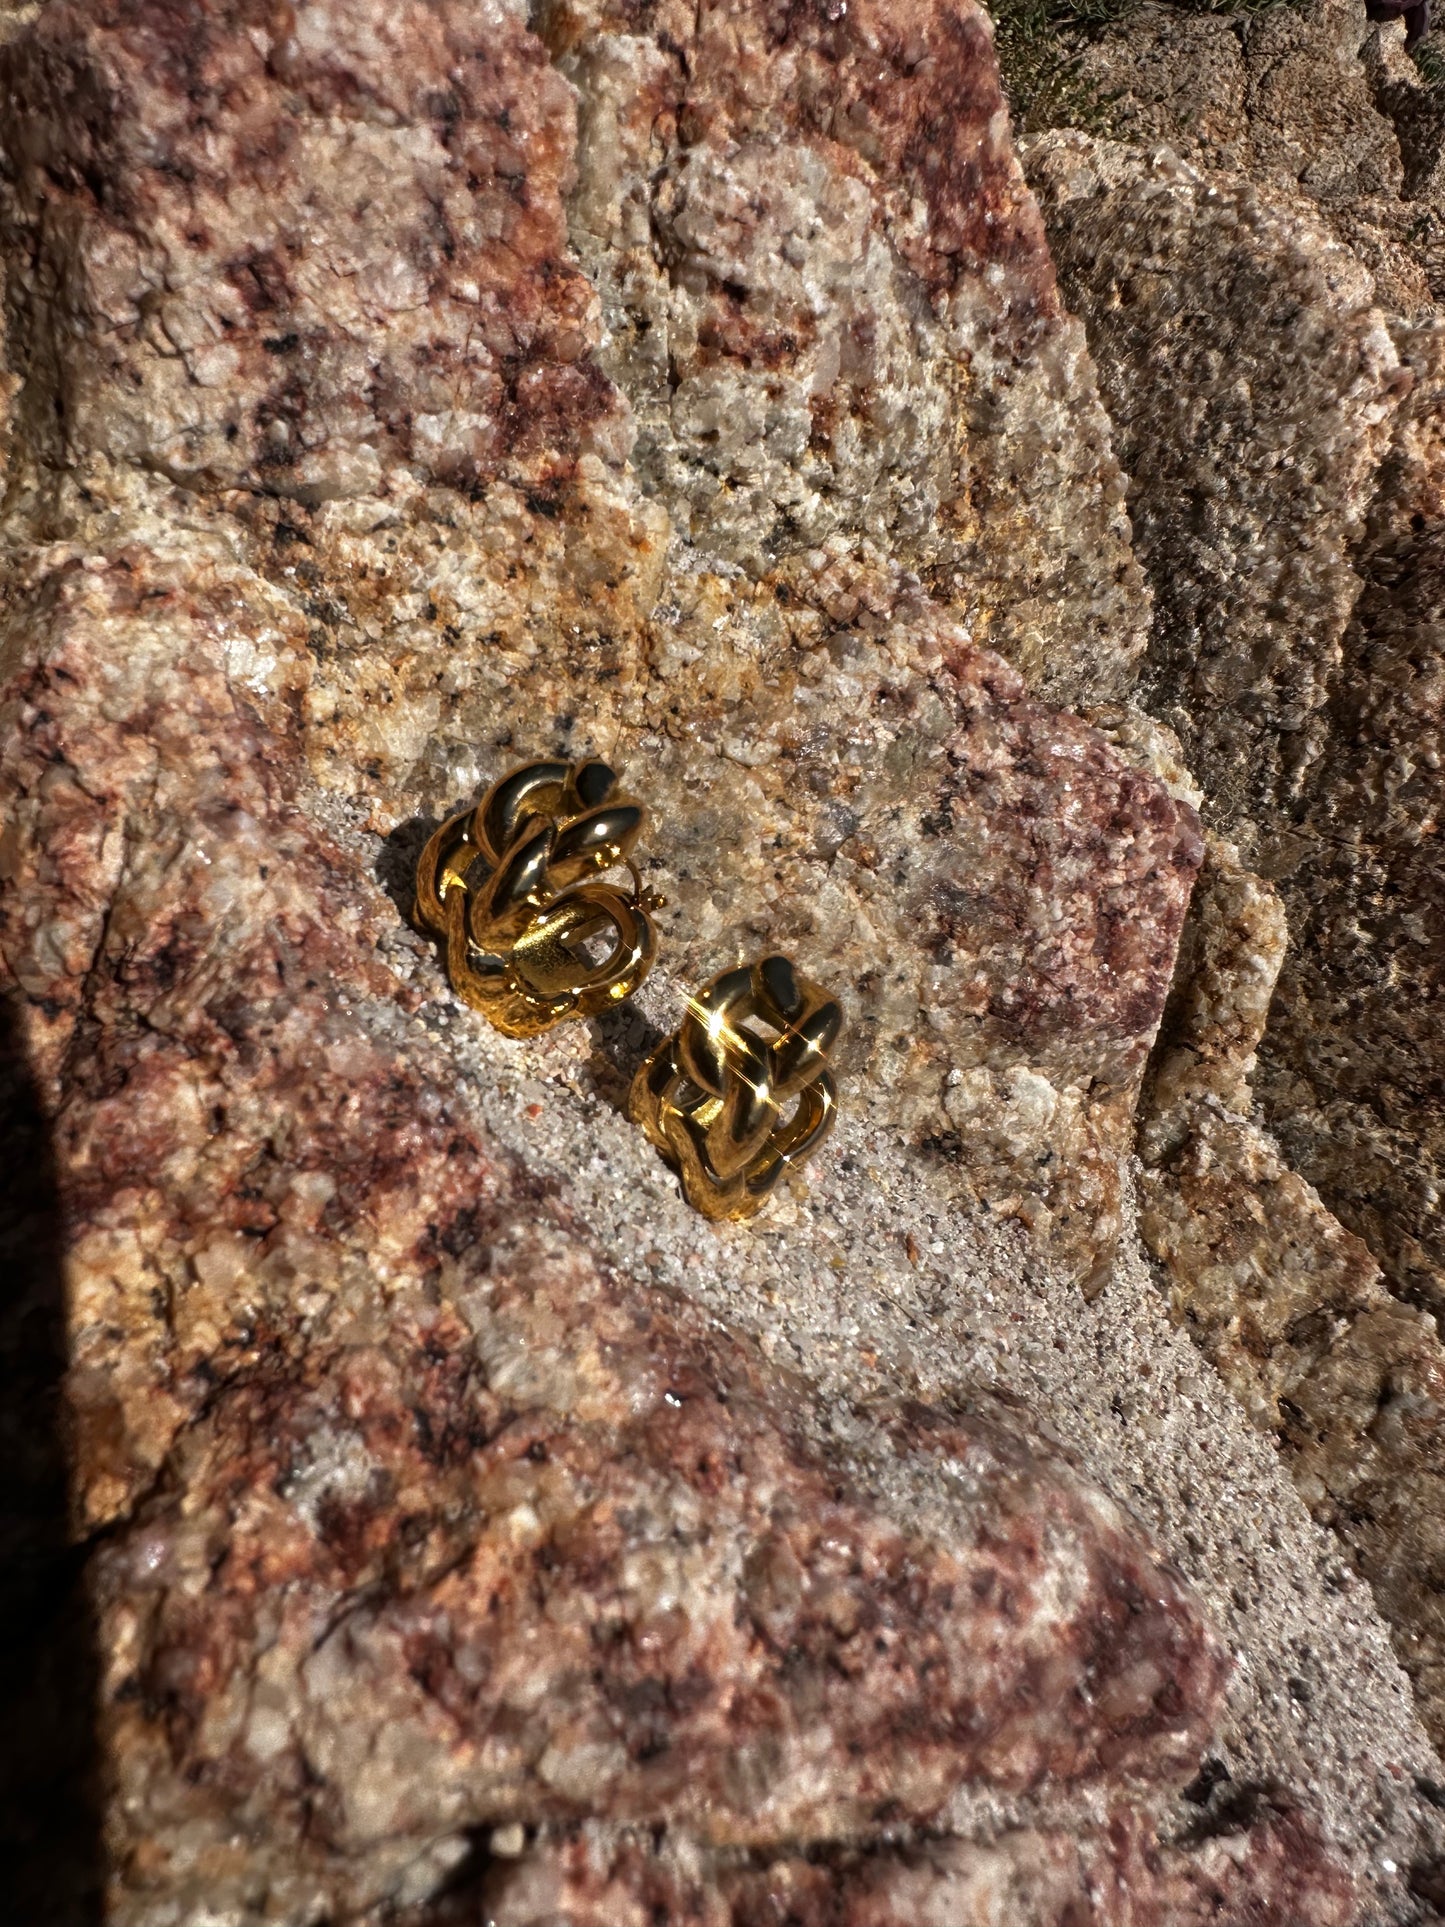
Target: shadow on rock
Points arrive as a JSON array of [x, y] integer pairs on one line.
[[49, 1797], [621, 1039], [397, 859]]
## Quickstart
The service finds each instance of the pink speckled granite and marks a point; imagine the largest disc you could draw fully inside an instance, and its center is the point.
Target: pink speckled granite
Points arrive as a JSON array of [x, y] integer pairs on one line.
[[1267, 1867], [418, 1520], [412, 1510]]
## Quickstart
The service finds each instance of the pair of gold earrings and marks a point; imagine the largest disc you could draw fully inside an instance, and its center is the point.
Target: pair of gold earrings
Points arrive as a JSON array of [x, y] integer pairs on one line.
[[515, 887]]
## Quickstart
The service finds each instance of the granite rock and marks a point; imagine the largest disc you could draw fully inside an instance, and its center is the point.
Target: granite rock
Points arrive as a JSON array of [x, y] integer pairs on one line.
[[1252, 384], [1414, 109], [1337, 135], [808, 693], [237, 204], [1299, 456], [1290, 1306], [435, 1480], [1322, 103], [207, 293], [416, 1519], [1263, 1275], [786, 226], [1283, 97], [1315, 103], [1029, 1879], [1219, 1003], [1352, 1067]]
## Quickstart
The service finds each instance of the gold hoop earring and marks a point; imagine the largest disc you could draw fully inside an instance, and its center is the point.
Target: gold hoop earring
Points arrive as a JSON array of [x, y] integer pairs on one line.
[[711, 1096], [513, 888]]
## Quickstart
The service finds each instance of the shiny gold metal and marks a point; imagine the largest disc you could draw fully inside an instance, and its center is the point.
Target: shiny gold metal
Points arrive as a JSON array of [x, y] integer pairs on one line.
[[711, 1097], [514, 888]]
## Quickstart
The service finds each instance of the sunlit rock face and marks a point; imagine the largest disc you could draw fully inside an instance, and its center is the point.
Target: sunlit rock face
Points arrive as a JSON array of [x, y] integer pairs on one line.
[[702, 400], [398, 393], [417, 1519]]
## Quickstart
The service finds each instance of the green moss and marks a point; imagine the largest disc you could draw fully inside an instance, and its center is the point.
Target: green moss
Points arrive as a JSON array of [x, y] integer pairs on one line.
[[1430, 65], [1038, 43], [1039, 46]]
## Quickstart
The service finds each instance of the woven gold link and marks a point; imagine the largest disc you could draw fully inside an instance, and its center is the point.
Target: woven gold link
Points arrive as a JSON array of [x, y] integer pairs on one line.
[[712, 1096], [514, 887]]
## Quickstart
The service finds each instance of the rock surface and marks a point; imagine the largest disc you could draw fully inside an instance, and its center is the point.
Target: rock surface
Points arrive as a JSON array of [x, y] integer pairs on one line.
[[395, 394], [792, 689], [1307, 102], [1297, 458], [1307, 459], [418, 1520], [1352, 1067], [1030, 1879], [1252, 383]]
